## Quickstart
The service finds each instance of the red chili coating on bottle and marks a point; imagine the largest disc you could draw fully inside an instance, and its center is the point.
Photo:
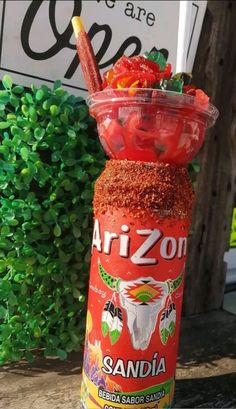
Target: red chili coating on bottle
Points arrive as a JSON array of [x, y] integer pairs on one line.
[[158, 188]]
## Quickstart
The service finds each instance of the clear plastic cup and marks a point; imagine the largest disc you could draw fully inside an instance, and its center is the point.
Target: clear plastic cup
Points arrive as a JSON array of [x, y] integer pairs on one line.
[[151, 125]]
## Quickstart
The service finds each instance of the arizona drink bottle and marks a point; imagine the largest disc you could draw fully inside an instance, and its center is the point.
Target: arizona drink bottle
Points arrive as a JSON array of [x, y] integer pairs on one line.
[[142, 209]]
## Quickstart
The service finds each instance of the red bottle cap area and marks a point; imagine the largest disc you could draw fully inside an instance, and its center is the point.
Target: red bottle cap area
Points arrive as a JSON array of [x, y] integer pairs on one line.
[[151, 125]]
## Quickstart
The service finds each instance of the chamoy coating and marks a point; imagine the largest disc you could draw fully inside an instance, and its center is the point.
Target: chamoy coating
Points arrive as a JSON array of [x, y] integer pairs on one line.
[[159, 189]]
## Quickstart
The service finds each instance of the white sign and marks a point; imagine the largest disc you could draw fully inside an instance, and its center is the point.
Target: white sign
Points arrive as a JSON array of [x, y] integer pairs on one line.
[[37, 43]]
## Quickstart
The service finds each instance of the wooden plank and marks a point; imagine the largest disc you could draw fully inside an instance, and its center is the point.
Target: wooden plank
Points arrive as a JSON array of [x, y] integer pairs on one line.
[[214, 71]]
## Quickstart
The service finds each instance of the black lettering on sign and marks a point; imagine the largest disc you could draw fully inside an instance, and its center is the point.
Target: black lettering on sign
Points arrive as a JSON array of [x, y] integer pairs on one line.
[[139, 14], [109, 3], [62, 40], [129, 11], [150, 19], [140, 11]]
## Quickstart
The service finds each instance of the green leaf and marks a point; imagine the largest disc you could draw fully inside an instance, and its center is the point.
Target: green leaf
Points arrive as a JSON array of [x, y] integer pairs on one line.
[[5, 244], [61, 354], [5, 231], [81, 298], [33, 113], [39, 133], [87, 195], [47, 103], [14, 101], [196, 167], [64, 257], [12, 299], [56, 156], [29, 98], [76, 232], [87, 257], [25, 171], [39, 95], [24, 289], [4, 96], [57, 84], [4, 125], [64, 118], [76, 293], [87, 158], [94, 171], [54, 110], [18, 278], [3, 312], [19, 266], [53, 197], [41, 259], [24, 154], [2, 265], [29, 356], [25, 110], [6, 331], [85, 223], [70, 161], [7, 81], [71, 133], [18, 89], [22, 122], [61, 92], [57, 231], [83, 112], [37, 332], [16, 131], [11, 117]]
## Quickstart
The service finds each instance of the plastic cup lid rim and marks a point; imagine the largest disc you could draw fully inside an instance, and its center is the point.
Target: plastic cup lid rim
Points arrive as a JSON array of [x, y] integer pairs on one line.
[[150, 95]]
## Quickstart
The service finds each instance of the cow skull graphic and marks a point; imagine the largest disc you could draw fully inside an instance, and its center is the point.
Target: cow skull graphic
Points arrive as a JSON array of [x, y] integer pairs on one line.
[[142, 299]]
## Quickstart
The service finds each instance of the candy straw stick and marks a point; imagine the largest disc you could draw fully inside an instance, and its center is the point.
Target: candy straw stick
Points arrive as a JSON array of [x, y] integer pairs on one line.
[[87, 58]]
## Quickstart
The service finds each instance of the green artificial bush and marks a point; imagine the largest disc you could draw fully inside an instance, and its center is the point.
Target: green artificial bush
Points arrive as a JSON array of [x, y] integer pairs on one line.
[[49, 159]]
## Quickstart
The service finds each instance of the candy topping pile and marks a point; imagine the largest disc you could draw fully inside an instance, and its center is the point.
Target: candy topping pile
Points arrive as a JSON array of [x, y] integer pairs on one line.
[[136, 72], [150, 71]]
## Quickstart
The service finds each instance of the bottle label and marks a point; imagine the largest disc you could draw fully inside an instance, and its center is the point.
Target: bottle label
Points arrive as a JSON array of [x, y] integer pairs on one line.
[[134, 312]]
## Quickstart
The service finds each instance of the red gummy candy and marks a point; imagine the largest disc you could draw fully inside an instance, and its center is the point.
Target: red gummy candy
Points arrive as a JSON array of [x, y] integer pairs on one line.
[[201, 96], [189, 89], [136, 72]]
